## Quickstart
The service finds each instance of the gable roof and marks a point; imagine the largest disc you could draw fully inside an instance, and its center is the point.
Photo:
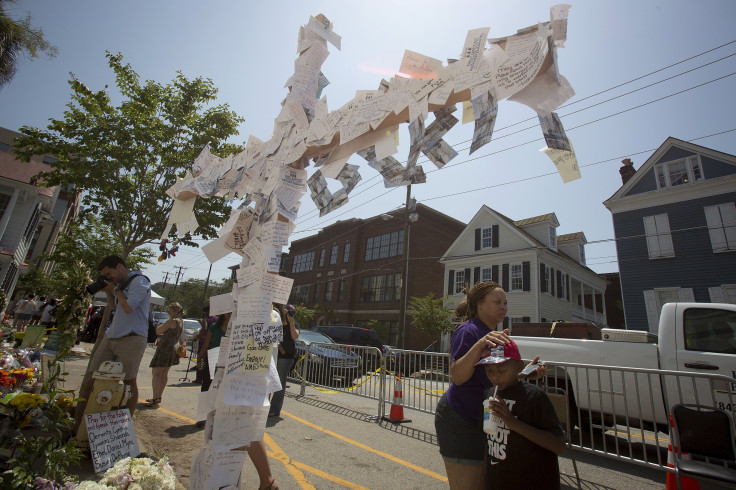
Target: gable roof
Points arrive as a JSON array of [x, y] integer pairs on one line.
[[568, 237], [538, 219], [655, 157]]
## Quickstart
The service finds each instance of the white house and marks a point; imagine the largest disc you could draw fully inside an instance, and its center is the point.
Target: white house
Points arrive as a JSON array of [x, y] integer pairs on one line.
[[544, 274]]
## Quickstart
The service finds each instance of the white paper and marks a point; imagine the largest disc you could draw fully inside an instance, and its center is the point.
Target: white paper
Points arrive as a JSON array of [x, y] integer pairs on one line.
[[226, 469], [278, 287], [417, 65], [566, 163], [216, 249], [221, 304], [248, 275], [246, 390], [237, 426], [324, 31]]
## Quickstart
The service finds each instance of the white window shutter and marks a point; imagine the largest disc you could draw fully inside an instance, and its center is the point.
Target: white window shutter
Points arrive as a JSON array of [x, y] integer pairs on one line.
[[651, 231], [666, 248], [716, 295], [650, 300], [728, 217], [687, 295], [715, 228]]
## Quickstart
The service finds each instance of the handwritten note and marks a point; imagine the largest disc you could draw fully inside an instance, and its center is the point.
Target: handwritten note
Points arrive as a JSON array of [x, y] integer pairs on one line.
[[221, 304], [111, 437], [238, 426], [255, 357], [267, 334], [226, 469], [246, 390], [278, 286]]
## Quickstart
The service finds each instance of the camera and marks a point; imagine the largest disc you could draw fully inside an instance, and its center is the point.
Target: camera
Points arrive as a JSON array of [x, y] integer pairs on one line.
[[97, 286]]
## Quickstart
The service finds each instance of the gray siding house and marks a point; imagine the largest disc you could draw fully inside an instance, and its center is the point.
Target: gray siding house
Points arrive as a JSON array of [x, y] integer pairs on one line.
[[675, 226]]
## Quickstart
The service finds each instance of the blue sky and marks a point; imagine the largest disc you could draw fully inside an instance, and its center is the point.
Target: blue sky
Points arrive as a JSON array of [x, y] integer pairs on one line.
[[248, 48]]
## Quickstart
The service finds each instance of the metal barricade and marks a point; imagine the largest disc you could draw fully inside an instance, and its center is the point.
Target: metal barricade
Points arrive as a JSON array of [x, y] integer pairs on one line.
[[623, 413], [425, 377]]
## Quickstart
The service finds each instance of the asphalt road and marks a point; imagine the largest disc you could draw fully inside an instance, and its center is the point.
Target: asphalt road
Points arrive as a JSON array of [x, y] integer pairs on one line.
[[331, 440]]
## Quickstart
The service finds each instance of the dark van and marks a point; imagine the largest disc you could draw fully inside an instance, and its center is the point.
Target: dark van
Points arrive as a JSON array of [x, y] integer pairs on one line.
[[351, 335]]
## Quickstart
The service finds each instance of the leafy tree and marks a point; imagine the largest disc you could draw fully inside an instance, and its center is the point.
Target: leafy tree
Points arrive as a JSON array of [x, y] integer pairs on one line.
[[33, 281], [17, 40], [191, 295], [303, 316], [430, 315], [123, 158], [82, 245], [380, 328]]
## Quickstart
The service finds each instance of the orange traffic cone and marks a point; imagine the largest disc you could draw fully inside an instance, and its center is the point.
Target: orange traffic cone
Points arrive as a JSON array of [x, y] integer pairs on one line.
[[686, 482], [397, 406]]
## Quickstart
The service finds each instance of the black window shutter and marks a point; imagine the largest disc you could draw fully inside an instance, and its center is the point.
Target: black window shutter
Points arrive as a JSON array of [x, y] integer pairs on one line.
[[552, 281], [494, 273], [494, 236], [467, 278], [525, 319], [542, 282], [505, 278], [567, 287], [526, 275], [450, 282], [476, 275], [560, 292], [477, 238], [506, 323]]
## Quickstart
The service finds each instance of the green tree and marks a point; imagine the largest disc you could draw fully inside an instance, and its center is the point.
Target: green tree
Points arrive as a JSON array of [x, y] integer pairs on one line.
[[430, 315], [123, 158], [82, 245], [303, 316], [33, 281], [191, 295], [18, 40]]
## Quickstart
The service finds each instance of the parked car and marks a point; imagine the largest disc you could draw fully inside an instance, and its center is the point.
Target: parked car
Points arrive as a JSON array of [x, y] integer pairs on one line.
[[350, 335], [159, 317], [191, 330], [326, 364]]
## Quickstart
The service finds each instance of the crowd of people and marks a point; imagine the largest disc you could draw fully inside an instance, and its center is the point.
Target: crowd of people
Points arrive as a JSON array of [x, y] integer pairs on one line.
[[31, 311]]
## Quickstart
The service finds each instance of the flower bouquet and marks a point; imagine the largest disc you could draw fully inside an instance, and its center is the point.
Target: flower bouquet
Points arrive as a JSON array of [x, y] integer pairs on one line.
[[135, 474]]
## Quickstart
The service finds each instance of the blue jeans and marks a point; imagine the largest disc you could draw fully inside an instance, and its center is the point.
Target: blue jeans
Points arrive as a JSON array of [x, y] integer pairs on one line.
[[283, 366]]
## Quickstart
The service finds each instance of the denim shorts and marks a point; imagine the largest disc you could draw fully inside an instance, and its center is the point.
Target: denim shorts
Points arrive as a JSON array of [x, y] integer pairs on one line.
[[460, 441]]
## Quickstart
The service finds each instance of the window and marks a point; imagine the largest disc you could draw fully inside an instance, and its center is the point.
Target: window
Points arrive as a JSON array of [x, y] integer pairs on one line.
[[383, 246], [486, 274], [32, 224], [552, 237], [284, 263], [722, 226], [300, 294], [380, 288], [9, 275], [459, 281], [710, 330], [303, 262], [562, 291], [659, 240], [50, 160], [678, 172], [4, 146], [487, 238], [316, 294], [341, 290], [328, 291], [581, 253], [322, 258], [547, 280], [654, 299], [515, 319], [333, 255], [516, 274], [346, 253], [4, 201]]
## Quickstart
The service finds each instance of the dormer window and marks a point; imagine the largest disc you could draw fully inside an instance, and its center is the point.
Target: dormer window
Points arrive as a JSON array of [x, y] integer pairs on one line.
[[581, 253], [678, 172]]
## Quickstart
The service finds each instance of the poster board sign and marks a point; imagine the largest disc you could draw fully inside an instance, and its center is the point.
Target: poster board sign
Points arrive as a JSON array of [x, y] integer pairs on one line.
[[52, 342], [33, 336], [111, 437]]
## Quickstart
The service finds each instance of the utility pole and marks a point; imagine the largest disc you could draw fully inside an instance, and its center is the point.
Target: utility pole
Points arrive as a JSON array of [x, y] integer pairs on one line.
[[178, 275], [409, 216], [206, 285], [166, 279]]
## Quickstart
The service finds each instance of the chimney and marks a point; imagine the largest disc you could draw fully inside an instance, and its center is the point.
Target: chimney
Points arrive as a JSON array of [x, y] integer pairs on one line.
[[627, 171]]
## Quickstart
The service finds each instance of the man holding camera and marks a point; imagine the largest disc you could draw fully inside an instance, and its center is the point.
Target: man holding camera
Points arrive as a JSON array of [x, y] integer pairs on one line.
[[129, 294]]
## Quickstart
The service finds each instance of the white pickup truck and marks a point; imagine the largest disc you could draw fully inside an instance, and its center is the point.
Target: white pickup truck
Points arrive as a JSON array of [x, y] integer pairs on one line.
[[695, 339]]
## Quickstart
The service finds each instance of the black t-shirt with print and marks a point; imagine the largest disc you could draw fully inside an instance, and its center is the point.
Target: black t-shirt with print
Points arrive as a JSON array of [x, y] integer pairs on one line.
[[513, 460]]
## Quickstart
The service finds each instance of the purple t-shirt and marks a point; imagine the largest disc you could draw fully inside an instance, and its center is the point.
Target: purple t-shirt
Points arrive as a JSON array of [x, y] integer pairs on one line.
[[466, 399]]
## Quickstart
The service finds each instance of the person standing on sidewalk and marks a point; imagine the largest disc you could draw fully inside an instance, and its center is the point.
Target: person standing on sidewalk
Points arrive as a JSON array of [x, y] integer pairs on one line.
[[166, 355], [286, 355], [129, 294]]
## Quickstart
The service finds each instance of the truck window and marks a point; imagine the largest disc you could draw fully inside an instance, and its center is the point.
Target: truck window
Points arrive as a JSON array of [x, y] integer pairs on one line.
[[710, 330]]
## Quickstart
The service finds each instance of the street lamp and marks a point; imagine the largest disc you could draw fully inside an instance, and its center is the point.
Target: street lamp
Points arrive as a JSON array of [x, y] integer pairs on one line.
[[410, 216]]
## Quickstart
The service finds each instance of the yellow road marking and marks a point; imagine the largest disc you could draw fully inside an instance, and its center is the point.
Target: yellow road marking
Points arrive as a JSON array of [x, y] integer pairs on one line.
[[174, 414], [369, 449], [290, 465]]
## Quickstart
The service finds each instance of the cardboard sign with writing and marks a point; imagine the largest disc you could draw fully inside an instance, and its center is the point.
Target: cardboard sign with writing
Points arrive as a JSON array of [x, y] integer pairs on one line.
[[111, 437]]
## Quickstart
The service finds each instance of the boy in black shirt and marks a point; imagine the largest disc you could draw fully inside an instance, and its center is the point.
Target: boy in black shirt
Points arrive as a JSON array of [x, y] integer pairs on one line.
[[523, 451]]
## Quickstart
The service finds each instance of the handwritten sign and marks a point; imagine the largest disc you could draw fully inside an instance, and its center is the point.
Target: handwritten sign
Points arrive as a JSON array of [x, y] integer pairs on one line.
[[235, 427], [256, 358], [267, 334], [278, 287], [246, 390], [111, 437], [245, 355]]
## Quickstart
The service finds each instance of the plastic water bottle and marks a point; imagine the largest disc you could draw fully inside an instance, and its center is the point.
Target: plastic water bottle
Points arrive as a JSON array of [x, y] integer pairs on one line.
[[490, 421]]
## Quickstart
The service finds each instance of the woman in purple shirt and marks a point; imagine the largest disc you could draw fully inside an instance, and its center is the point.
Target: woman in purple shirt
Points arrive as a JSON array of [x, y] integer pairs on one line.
[[458, 414]]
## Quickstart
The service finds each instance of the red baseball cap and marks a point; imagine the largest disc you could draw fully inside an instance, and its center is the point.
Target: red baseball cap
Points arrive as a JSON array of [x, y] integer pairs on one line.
[[501, 353]]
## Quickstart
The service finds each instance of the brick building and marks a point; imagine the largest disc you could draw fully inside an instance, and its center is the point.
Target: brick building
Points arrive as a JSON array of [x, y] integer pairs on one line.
[[351, 270]]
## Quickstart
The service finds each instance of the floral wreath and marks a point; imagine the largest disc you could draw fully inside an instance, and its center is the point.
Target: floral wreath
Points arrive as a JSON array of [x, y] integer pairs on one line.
[[168, 252]]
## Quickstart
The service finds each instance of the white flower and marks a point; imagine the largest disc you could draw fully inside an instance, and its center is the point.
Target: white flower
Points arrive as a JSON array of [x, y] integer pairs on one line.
[[135, 486], [139, 471]]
